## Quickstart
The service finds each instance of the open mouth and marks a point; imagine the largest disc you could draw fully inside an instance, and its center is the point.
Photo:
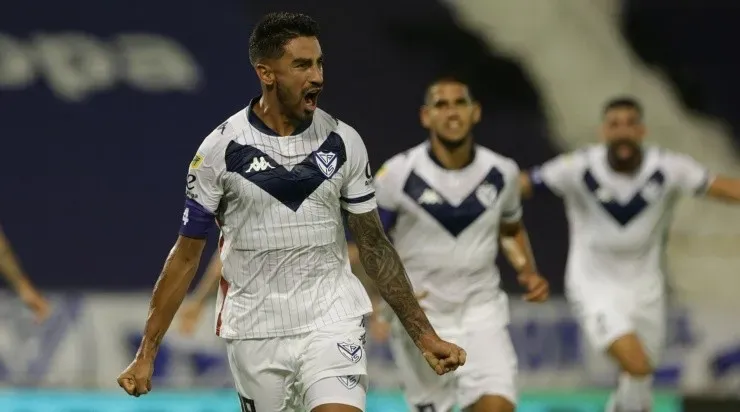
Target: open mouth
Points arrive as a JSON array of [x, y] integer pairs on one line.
[[454, 124], [311, 98]]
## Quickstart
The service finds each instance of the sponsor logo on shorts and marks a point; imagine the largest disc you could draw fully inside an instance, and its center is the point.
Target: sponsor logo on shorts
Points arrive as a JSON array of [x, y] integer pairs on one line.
[[350, 351], [350, 381]]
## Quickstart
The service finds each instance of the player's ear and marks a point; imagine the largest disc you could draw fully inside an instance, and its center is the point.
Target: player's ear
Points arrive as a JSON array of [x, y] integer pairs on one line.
[[265, 73], [477, 112], [424, 117]]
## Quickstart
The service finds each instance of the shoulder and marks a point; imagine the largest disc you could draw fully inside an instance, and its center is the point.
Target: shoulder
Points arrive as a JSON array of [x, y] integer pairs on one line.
[[331, 124], [401, 163], [214, 145], [506, 165], [669, 157], [580, 158]]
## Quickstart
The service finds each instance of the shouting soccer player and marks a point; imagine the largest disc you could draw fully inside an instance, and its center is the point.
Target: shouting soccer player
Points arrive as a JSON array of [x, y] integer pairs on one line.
[[19, 281], [619, 196], [276, 176], [445, 204]]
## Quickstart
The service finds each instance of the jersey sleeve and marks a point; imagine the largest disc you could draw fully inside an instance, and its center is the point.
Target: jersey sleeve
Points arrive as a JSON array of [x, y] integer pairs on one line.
[[357, 193], [511, 210], [204, 188], [691, 177], [387, 191], [555, 176]]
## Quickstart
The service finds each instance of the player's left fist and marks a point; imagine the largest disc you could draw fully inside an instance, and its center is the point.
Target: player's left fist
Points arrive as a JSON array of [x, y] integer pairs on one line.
[[443, 356], [538, 290], [136, 380]]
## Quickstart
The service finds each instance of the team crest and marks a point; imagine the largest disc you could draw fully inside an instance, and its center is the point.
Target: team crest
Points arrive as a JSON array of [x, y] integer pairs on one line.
[[327, 162], [651, 191], [603, 195], [350, 381], [350, 351], [486, 194]]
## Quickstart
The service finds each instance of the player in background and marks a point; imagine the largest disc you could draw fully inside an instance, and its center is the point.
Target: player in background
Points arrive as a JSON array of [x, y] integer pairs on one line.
[[445, 203], [276, 176], [619, 197], [19, 281]]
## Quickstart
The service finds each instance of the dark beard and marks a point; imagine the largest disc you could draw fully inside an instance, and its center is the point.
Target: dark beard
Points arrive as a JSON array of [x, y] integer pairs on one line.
[[284, 100], [452, 145], [619, 164]]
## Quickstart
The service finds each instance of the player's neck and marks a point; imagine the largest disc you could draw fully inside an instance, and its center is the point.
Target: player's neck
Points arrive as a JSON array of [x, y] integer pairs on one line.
[[452, 158], [268, 111]]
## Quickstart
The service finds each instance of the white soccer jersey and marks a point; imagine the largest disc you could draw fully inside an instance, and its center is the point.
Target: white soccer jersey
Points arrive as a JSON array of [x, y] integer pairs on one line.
[[446, 225], [278, 203], [618, 223]]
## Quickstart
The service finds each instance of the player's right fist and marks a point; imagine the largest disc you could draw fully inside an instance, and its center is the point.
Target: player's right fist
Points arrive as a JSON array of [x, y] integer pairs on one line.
[[136, 380], [442, 356]]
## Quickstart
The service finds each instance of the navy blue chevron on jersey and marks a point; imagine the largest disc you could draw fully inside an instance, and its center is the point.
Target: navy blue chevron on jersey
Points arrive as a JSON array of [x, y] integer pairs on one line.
[[278, 201], [445, 223]]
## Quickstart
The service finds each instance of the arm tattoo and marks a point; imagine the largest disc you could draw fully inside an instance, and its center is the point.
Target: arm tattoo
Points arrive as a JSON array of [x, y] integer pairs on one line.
[[383, 265]]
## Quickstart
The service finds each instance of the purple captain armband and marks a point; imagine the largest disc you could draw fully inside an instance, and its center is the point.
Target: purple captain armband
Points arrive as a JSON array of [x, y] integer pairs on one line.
[[197, 221]]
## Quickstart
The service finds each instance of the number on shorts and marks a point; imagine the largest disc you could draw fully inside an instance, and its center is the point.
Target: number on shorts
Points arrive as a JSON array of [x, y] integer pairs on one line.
[[247, 404], [426, 407]]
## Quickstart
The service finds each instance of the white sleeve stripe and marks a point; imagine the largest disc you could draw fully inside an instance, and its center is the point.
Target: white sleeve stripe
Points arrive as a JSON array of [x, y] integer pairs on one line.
[[512, 216], [514, 212], [705, 183]]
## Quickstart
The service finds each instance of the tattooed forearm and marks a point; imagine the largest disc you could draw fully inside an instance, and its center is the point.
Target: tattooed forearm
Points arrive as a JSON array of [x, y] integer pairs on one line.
[[383, 265]]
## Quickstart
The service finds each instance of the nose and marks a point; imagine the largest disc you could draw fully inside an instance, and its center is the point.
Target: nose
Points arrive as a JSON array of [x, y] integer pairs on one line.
[[316, 76]]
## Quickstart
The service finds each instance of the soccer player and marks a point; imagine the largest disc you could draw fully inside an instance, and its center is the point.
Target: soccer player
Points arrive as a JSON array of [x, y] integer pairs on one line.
[[619, 196], [276, 177], [445, 203], [19, 281]]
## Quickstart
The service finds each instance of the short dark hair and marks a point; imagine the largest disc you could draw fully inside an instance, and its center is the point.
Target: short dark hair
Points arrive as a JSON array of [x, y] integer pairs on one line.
[[623, 102], [445, 79], [275, 30]]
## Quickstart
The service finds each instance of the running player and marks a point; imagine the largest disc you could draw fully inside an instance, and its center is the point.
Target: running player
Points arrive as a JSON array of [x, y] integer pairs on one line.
[[276, 177], [445, 203], [619, 196], [19, 281]]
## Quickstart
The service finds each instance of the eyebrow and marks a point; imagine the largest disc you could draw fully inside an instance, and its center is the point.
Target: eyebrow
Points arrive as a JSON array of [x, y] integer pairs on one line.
[[307, 60]]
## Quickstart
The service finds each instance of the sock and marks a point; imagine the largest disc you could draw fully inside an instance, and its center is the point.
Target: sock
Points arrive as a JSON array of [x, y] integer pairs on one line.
[[634, 394]]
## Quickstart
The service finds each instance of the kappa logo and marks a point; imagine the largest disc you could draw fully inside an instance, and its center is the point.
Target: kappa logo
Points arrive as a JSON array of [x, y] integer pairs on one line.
[[350, 351], [350, 381], [259, 164], [327, 163]]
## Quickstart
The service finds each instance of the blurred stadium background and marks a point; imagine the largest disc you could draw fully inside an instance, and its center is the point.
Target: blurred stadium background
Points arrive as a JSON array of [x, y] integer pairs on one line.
[[102, 105]]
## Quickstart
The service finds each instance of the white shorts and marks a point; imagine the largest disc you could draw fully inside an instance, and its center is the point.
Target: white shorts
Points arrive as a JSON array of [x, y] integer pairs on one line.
[[490, 369], [301, 372], [605, 317]]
